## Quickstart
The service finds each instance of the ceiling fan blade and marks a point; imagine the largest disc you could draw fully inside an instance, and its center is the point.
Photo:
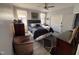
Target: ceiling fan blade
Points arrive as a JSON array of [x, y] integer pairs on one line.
[[46, 6], [50, 6]]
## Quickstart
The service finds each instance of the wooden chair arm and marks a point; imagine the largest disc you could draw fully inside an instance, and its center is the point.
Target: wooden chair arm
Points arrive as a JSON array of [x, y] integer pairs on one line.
[[62, 48]]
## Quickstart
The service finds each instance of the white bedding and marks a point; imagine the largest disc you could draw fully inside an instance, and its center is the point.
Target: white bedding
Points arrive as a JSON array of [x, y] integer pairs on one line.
[[46, 27]]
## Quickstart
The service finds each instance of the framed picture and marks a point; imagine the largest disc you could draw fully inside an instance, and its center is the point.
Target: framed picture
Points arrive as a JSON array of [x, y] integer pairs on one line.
[[34, 15]]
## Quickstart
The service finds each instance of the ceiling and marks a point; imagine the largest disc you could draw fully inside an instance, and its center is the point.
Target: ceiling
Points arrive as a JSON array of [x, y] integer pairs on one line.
[[39, 6]]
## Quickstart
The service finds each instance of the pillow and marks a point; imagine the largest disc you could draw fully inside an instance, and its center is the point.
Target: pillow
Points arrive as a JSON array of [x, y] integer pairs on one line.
[[33, 25]]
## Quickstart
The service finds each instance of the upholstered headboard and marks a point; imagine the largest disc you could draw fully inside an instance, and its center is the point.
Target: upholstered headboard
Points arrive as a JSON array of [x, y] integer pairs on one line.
[[33, 21]]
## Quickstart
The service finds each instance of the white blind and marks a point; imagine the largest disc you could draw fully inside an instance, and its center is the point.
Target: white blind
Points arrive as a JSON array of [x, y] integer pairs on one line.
[[42, 17]]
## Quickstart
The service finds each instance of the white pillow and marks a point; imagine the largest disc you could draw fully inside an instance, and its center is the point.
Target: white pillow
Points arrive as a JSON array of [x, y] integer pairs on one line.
[[33, 25]]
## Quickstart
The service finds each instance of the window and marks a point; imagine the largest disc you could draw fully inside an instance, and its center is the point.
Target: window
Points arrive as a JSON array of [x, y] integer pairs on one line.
[[23, 16], [42, 17]]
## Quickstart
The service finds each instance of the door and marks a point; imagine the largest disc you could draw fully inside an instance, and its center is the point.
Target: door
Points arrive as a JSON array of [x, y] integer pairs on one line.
[[56, 21], [67, 22]]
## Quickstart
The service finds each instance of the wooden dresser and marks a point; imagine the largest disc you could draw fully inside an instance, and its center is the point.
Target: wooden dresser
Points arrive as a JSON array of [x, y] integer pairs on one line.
[[19, 29]]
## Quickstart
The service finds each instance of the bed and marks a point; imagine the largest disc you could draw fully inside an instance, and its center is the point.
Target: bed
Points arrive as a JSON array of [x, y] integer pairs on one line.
[[37, 29]]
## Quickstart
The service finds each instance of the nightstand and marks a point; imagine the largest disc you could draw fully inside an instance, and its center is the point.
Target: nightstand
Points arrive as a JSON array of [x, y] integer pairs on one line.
[[19, 29]]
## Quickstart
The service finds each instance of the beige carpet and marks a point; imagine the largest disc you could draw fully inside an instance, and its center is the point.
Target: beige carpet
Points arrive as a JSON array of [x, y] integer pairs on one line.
[[38, 49]]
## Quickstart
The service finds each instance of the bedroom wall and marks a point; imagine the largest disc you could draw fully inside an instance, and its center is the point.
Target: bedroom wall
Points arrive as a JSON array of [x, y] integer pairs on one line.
[[6, 33], [6, 11], [6, 37], [76, 8]]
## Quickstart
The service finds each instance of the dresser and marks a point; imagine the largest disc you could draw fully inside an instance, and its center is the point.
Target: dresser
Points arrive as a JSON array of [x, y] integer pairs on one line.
[[19, 29]]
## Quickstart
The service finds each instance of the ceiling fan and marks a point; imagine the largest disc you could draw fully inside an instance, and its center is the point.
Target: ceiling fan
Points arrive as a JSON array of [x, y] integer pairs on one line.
[[47, 7]]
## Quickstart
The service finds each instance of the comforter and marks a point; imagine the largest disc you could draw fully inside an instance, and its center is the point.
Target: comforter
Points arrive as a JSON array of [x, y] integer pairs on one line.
[[38, 31]]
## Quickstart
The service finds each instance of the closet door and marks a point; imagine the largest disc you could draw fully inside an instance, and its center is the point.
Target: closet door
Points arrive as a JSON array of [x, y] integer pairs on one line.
[[56, 21], [67, 22]]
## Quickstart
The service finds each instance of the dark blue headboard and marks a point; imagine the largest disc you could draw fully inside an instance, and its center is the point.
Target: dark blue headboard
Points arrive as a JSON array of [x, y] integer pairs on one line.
[[33, 21]]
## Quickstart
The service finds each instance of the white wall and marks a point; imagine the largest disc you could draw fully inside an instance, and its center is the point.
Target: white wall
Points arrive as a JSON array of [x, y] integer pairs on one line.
[[6, 37], [6, 11], [6, 33], [76, 8]]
